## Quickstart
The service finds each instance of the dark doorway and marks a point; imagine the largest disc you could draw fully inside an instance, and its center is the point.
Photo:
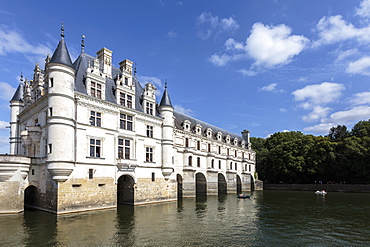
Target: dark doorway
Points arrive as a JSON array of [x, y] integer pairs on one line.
[[222, 185], [179, 186], [238, 185], [125, 190], [31, 196], [200, 184]]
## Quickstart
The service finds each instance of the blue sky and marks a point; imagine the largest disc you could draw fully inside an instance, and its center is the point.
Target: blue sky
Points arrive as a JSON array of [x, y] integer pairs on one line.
[[263, 65]]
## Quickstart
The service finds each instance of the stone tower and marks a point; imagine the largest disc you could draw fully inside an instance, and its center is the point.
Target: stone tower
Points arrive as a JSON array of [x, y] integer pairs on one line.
[[16, 104], [166, 111], [60, 77]]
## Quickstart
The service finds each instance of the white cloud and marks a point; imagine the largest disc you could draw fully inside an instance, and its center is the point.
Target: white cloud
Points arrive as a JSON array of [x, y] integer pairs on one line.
[[350, 116], [273, 45], [183, 110], [268, 46], [283, 110], [12, 42], [360, 66], [248, 72], [319, 94], [271, 88], [3, 125], [361, 98], [209, 25], [6, 91], [364, 10], [334, 29], [343, 55], [317, 113], [315, 97], [154, 80], [322, 128], [171, 34]]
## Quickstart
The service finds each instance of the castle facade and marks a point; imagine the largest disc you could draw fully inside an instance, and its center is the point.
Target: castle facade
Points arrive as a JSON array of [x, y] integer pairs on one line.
[[86, 135]]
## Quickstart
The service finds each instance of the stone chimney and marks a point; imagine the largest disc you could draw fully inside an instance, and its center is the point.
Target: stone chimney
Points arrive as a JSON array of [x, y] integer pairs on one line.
[[105, 60]]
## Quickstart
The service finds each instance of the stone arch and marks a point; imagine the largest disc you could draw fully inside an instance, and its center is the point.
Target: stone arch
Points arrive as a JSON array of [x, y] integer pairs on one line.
[[126, 190], [238, 184], [179, 186], [222, 185], [200, 184], [31, 197]]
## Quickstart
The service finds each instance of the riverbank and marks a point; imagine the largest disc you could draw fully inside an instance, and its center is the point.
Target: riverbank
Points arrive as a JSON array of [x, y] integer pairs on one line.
[[354, 188]]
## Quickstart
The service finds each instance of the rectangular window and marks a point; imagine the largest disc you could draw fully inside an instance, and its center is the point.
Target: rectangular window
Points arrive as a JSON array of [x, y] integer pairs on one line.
[[149, 154], [95, 90], [50, 148], [91, 173], [149, 131], [95, 148], [95, 118], [219, 164], [149, 108], [126, 81], [125, 122], [153, 176], [124, 149], [198, 162], [51, 84], [198, 145], [50, 111], [125, 100]]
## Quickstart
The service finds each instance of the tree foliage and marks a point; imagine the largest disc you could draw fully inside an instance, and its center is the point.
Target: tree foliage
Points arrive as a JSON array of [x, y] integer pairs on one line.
[[293, 157]]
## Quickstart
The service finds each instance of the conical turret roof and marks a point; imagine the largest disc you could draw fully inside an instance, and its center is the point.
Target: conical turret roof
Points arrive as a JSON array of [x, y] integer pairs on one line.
[[61, 55], [18, 94], [165, 99]]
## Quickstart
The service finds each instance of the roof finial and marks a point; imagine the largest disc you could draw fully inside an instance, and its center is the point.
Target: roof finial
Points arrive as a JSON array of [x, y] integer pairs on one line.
[[62, 29], [135, 69], [83, 43], [21, 77], [165, 84]]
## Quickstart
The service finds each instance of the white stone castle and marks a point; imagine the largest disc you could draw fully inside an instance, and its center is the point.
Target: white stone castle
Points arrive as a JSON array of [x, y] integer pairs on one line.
[[87, 135]]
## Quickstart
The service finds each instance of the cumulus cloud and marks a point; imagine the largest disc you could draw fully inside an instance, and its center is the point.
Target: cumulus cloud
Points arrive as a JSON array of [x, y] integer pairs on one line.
[[209, 25], [315, 97], [183, 110], [334, 29], [12, 41], [350, 116], [6, 91], [271, 88], [273, 45], [361, 66], [364, 9], [322, 128], [361, 98], [268, 46]]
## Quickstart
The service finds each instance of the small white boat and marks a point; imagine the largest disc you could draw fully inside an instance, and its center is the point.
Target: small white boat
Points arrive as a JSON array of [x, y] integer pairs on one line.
[[321, 192]]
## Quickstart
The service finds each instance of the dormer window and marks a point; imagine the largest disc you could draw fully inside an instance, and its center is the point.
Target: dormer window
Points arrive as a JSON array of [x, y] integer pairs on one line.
[[208, 132], [227, 139], [125, 100], [198, 129], [235, 141], [186, 125], [95, 90], [149, 108], [219, 136]]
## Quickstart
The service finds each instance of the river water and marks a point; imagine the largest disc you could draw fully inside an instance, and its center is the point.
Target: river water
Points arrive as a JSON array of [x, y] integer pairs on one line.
[[268, 218]]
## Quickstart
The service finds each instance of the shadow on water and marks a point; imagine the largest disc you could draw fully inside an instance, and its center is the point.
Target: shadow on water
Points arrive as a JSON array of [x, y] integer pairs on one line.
[[40, 228], [125, 225]]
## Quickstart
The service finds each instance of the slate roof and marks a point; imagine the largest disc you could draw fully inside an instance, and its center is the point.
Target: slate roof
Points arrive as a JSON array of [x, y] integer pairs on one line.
[[18, 95], [61, 55], [81, 65]]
